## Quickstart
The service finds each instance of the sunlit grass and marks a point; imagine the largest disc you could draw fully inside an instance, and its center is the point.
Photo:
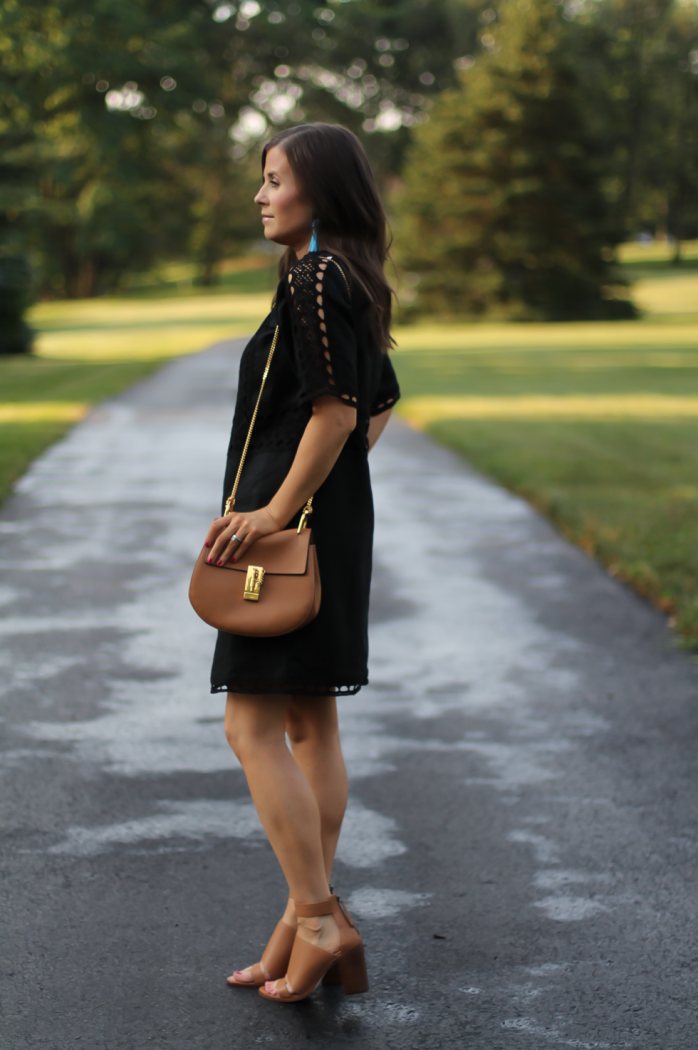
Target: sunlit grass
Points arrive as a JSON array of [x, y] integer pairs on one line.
[[655, 252], [675, 295], [423, 411], [143, 329], [163, 342], [43, 411], [575, 335]]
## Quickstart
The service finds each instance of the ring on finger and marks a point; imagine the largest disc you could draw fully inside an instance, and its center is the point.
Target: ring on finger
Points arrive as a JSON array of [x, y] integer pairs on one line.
[[236, 538]]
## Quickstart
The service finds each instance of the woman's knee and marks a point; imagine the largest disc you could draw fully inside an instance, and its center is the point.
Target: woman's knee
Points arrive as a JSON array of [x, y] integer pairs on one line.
[[312, 721], [250, 741], [234, 734], [250, 728]]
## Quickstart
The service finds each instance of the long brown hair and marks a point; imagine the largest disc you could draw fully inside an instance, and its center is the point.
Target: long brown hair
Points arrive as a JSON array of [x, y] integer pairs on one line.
[[333, 172]]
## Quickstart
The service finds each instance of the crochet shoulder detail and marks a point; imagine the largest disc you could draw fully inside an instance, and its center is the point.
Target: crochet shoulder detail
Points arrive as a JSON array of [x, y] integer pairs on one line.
[[321, 310]]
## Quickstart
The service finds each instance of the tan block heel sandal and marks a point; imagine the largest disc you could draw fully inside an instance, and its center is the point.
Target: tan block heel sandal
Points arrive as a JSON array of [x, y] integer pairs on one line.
[[309, 965]]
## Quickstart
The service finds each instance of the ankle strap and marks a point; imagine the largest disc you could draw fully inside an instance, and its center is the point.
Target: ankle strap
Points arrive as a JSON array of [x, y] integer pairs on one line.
[[306, 911]]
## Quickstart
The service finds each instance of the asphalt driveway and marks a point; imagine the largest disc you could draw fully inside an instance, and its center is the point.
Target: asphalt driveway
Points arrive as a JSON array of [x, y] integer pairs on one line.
[[520, 849]]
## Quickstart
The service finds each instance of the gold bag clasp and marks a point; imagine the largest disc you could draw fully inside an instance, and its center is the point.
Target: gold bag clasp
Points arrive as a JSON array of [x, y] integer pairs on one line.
[[253, 583]]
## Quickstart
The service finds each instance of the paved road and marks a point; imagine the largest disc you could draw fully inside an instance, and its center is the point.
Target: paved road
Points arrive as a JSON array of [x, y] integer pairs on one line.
[[523, 768]]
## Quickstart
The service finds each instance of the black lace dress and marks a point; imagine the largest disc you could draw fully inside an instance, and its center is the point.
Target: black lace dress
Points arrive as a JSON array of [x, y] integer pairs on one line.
[[325, 346]]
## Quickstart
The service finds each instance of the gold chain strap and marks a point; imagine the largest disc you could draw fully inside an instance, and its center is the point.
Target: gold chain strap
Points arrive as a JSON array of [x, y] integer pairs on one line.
[[331, 259], [230, 502]]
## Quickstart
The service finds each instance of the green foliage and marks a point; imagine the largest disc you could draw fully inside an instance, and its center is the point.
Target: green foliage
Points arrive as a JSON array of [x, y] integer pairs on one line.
[[130, 132], [83, 188], [502, 208], [129, 127], [639, 60]]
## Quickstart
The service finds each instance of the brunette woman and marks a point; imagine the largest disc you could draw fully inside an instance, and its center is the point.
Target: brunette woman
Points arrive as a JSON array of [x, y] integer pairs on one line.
[[327, 398]]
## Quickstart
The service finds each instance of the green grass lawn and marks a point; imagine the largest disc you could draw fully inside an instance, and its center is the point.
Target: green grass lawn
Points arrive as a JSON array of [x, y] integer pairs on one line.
[[583, 421]]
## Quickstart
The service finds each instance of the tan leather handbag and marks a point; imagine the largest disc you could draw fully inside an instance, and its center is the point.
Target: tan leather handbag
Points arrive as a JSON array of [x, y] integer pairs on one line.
[[275, 587]]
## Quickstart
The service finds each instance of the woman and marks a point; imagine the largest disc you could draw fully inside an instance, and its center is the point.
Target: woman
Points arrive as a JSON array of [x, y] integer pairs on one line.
[[327, 398]]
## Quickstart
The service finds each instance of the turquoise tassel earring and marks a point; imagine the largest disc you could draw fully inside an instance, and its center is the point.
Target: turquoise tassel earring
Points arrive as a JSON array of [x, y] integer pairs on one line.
[[313, 240]]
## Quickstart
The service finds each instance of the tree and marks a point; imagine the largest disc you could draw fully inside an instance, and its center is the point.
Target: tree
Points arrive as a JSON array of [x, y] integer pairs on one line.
[[667, 183], [503, 207], [84, 185], [638, 60], [116, 121]]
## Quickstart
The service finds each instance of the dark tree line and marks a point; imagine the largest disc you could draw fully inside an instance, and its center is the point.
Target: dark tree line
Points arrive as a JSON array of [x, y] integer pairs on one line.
[[129, 126], [571, 130]]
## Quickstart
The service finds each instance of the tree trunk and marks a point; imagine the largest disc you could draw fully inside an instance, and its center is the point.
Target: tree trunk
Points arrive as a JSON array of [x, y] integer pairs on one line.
[[207, 273], [636, 114], [210, 249], [682, 191], [86, 279]]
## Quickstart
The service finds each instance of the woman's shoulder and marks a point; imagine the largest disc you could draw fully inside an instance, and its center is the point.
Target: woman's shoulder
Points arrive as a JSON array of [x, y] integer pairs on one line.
[[320, 267]]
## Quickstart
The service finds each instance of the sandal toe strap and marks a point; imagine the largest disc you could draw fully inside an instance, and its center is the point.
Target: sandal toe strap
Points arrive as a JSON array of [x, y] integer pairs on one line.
[[257, 974], [285, 994]]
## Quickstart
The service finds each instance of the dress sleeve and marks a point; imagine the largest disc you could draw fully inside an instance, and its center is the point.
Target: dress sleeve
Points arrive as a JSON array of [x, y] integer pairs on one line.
[[323, 330], [388, 392]]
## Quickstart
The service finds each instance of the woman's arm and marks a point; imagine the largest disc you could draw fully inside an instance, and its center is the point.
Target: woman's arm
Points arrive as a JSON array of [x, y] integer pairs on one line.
[[324, 438], [376, 427]]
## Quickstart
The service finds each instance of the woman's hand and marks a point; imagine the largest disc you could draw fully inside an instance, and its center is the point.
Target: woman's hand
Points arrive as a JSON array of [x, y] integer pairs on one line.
[[229, 537]]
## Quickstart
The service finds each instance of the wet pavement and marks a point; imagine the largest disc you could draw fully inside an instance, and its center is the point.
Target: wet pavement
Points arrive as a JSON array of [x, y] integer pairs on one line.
[[520, 848]]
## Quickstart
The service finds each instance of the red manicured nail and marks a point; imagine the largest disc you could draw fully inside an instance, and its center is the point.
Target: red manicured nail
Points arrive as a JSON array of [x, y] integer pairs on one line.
[[219, 562]]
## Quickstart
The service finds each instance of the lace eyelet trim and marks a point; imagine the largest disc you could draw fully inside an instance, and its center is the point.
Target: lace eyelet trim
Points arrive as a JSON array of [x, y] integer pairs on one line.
[[299, 689], [306, 283], [388, 403]]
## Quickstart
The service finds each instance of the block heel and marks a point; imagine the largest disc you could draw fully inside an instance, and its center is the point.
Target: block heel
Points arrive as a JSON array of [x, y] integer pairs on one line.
[[352, 971]]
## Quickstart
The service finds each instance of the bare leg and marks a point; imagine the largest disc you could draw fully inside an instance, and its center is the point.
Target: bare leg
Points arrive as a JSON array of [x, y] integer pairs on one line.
[[255, 728], [313, 729]]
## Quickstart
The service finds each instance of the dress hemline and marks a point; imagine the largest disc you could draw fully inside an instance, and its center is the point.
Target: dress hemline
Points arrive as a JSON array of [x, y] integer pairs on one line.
[[287, 690]]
